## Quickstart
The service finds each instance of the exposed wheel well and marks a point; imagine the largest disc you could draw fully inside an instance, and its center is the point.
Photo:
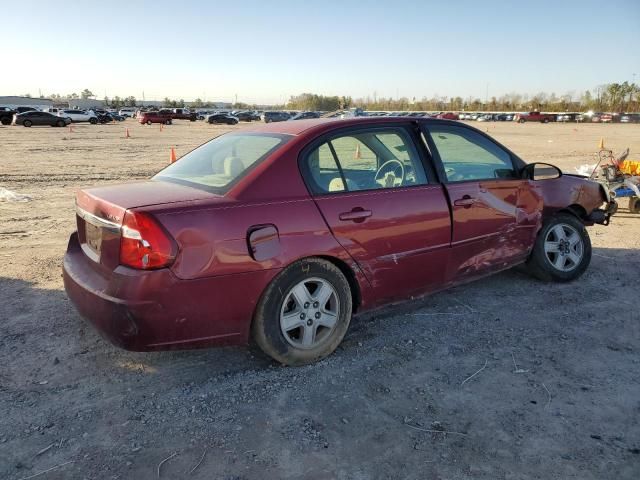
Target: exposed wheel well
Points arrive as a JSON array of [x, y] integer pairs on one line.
[[576, 210], [351, 278]]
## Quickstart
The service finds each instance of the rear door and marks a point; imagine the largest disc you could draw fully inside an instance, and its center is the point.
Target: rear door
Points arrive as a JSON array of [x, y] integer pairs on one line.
[[496, 214], [370, 185]]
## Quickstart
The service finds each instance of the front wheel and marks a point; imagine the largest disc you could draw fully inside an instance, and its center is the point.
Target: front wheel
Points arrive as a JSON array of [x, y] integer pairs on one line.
[[27, 123], [304, 313], [5, 121], [562, 251], [93, 120], [521, 120], [60, 123], [634, 205]]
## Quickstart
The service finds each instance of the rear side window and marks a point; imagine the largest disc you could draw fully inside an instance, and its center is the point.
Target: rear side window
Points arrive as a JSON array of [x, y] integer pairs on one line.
[[217, 164], [467, 155], [364, 160]]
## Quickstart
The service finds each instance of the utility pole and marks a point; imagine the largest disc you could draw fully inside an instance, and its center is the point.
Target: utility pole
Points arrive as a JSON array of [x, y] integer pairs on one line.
[[486, 96]]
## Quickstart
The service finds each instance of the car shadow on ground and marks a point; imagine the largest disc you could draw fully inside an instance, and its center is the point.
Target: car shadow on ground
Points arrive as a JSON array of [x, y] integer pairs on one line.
[[45, 320]]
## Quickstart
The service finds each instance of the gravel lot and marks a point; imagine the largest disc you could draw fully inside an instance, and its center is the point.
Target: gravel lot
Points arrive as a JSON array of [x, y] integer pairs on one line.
[[556, 394]]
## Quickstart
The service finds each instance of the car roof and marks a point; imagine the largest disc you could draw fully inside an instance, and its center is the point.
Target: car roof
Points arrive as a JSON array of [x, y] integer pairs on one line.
[[318, 125]]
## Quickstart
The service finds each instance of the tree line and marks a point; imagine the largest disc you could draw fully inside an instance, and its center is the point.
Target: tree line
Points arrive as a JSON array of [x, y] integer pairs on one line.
[[613, 97]]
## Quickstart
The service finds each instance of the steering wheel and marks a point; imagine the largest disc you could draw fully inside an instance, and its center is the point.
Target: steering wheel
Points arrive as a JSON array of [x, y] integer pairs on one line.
[[386, 176]]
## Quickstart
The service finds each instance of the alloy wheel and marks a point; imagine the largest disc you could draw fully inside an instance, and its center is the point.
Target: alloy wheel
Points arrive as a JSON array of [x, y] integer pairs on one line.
[[309, 313], [564, 247]]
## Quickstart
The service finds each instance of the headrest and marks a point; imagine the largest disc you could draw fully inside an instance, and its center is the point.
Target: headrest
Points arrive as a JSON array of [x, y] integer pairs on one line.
[[233, 166]]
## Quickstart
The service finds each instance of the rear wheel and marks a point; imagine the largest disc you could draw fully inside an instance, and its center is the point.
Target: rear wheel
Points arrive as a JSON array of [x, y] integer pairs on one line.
[[149, 122], [634, 205], [169, 121], [60, 123], [93, 120], [521, 120], [304, 313], [562, 251], [546, 120], [27, 123], [5, 121]]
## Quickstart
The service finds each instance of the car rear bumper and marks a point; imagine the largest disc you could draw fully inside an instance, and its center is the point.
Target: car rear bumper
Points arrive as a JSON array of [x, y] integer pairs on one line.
[[155, 310]]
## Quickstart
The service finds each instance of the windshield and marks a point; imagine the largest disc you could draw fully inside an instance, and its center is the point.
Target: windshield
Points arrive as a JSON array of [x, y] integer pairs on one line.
[[217, 164]]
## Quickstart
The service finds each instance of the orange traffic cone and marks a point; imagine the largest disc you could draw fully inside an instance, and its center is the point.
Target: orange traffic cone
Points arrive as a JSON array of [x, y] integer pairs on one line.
[[172, 155], [126, 133], [356, 154], [601, 145]]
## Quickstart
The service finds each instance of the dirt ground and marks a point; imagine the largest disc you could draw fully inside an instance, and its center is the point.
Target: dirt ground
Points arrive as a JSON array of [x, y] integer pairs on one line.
[[557, 395]]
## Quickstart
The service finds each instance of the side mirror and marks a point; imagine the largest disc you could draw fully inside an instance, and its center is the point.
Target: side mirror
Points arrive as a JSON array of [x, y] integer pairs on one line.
[[541, 171]]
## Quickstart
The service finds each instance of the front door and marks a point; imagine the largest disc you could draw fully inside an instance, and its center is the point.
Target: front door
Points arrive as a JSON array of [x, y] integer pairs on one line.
[[371, 188], [496, 213]]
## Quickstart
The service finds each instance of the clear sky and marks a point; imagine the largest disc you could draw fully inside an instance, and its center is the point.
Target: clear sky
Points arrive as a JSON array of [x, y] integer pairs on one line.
[[266, 50]]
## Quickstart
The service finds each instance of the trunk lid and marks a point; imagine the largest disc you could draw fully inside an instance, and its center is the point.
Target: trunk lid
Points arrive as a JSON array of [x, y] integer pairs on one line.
[[100, 212]]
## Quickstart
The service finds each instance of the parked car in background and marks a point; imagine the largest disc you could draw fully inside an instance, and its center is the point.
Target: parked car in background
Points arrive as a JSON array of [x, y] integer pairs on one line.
[[183, 114], [26, 109], [630, 118], [116, 116], [127, 112], [77, 116], [485, 117], [280, 233], [268, 117], [305, 116], [534, 117], [162, 116], [36, 118], [244, 116], [566, 117], [448, 116], [6, 115], [226, 118]]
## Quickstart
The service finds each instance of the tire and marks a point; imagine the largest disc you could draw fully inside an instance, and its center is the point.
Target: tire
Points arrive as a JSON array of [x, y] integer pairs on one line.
[[60, 123], [27, 123], [149, 122], [522, 120], [299, 344], [235, 122], [169, 122], [634, 205], [93, 121], [546, 264], [5, 121], [546, 120]]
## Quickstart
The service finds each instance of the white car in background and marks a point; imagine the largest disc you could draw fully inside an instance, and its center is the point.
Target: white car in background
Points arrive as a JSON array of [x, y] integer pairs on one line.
[[127, 112], [79, 116]]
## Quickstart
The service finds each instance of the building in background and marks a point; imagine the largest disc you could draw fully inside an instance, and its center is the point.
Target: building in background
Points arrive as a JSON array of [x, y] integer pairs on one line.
[[15, 101], [85, 103]]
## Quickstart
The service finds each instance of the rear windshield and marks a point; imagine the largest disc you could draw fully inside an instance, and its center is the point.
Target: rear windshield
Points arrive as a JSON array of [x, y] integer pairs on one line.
[[216, 165]]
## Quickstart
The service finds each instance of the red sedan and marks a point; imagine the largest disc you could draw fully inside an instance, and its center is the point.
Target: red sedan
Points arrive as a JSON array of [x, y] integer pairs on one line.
[[281, 233]]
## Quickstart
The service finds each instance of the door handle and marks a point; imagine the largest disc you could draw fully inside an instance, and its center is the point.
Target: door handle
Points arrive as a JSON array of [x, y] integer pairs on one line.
[[356, 215], [465, 201]]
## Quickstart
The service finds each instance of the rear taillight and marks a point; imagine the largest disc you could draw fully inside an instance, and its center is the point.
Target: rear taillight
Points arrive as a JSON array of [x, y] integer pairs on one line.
[[144, 243]]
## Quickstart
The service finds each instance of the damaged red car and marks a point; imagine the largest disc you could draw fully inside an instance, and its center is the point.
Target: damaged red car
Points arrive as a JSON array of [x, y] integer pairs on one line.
[[281, 233]]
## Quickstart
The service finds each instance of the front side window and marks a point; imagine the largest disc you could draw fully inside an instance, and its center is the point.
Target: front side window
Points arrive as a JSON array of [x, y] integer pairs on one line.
[[468, 155], [365, 160], [223, 160]]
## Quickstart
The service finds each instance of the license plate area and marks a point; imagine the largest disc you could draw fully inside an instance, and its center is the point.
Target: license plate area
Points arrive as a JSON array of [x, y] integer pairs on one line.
[[93, 238]]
